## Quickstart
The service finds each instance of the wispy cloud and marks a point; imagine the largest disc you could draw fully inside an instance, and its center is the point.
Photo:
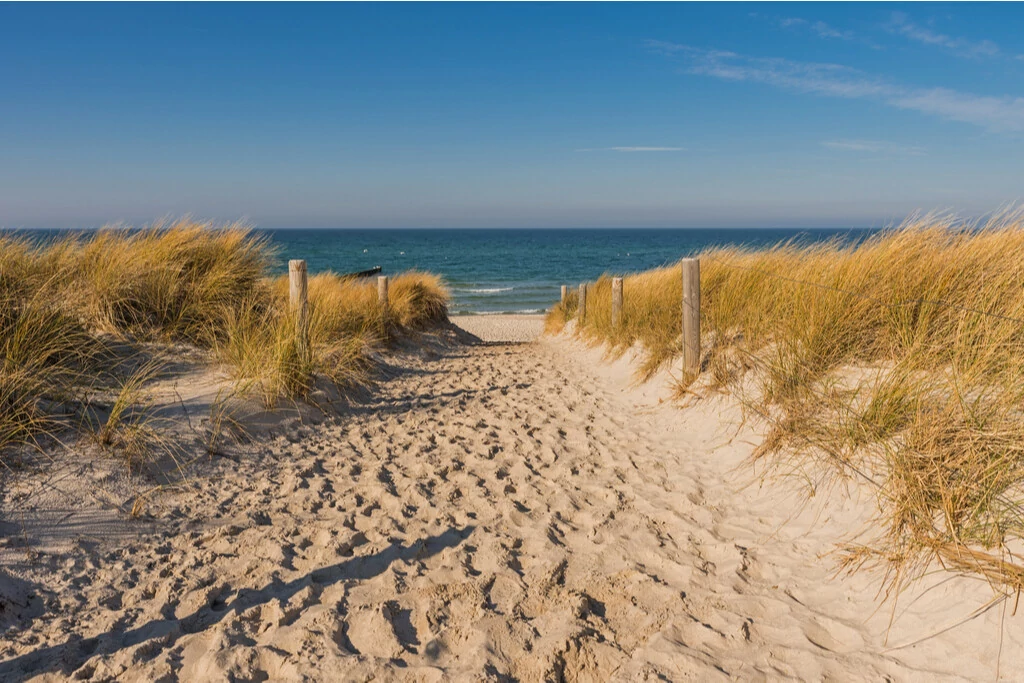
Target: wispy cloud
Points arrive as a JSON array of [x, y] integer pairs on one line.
[[668, 48], [819, 28], [633, 149], [826, 31], [901, 24], [1005, 113], [873, 146]]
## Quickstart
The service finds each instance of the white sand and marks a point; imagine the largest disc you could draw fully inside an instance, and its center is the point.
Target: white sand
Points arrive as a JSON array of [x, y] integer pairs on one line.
[[492, 511], [502, 328]]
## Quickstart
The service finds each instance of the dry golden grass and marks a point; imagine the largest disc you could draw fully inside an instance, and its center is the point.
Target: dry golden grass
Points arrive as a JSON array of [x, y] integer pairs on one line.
[[72, 311], [169, 282], [562, 312], [899, 360], [345, 322]]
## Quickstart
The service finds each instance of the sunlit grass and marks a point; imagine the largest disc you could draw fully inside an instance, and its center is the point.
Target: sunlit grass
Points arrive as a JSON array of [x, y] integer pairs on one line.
[[899, 359], [74, 309]]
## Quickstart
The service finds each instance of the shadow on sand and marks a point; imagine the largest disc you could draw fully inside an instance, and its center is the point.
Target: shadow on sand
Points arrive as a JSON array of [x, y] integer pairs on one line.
[[69, 656]]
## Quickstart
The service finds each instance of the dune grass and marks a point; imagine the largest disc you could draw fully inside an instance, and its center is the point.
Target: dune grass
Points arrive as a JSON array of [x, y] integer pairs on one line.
[[74, 311], [346, 321], [898, 361]]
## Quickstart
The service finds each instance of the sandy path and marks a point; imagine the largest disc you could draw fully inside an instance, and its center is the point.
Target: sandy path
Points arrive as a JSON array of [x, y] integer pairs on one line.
[[497, 512], [506, 328]]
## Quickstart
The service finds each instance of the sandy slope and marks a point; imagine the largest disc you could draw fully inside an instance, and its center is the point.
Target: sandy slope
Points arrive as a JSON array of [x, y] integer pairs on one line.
[[494, 513]]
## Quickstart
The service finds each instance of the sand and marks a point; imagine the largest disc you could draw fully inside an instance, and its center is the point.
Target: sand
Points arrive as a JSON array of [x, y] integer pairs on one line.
[[491, 512], [501, 328]]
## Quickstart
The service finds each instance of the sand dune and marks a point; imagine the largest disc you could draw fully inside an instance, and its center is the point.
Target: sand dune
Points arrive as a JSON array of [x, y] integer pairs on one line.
[[492, 513]]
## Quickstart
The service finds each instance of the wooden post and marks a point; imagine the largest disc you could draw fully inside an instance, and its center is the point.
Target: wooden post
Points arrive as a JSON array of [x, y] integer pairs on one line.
[[382, 294], [565, 293], [616, 302], [691, 315], [581, 308], [298, 297]]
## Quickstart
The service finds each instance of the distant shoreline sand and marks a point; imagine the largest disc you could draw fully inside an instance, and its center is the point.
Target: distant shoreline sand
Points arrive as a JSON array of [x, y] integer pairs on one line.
[[501, 327]]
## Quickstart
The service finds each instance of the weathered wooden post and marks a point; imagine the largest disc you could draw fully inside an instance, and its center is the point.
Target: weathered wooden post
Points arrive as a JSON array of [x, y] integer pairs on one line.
[[565, 293], [616, 302], [581, 312], [382, 294], [298, 297], [691, 316]]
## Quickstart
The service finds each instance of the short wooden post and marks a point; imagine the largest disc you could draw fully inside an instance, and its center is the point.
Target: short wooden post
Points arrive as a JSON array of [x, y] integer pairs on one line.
[[565, 293], [616, 302], [691, 316], [298, 297], [382, 294], [581, 307]]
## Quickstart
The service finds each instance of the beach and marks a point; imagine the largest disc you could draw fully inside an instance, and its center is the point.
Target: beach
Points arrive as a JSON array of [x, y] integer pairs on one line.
[[501, 328], [511, 342], [520, 511]]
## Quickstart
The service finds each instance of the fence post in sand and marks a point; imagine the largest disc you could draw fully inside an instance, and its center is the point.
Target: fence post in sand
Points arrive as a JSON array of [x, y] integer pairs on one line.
[[565, 293], [298, 297], [581, 313], [382, 294], [616, 302], [691, 316]]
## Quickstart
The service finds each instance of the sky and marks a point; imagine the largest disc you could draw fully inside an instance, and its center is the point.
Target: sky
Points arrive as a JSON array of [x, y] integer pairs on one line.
[[509, 115]]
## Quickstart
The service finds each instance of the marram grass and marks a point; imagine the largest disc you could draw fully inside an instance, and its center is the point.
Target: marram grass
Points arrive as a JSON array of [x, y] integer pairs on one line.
[[74, 310], [898, 360]]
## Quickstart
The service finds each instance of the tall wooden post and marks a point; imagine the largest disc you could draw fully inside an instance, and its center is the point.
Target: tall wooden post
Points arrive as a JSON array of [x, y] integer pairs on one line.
[[565, 293], [298, 298], [616, 302], [691, 316], [581, 312], [382, 294]]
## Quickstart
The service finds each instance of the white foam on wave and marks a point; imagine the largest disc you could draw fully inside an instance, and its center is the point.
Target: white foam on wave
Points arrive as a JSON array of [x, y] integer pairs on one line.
[[488, 290], [525, 311]]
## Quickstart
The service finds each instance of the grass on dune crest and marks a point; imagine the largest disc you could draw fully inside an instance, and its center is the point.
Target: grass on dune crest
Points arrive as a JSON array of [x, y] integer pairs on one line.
[[563, 312], [346, 322], [169, 282], [899, 360], [75, 310]]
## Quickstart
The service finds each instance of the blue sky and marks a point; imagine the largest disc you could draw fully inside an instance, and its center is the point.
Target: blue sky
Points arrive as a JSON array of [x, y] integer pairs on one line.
[[503, 115]]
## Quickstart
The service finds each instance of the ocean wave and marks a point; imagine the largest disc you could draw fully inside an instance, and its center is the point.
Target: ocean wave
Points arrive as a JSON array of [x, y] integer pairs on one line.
[[486, 290], [523, 311]]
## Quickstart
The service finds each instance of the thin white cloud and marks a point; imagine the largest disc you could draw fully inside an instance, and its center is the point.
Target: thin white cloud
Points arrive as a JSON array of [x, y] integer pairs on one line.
[[873, 146], [818, 28], [825, 31], [900, 23], [667, 48], [633, 149], [1003, 113]]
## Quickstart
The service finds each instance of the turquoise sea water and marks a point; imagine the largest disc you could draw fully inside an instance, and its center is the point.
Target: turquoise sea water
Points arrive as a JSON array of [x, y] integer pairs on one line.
[[493, 271]]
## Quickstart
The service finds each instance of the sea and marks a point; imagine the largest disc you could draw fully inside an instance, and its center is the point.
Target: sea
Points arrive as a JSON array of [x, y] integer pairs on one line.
[[520, 270], [492, 271]]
